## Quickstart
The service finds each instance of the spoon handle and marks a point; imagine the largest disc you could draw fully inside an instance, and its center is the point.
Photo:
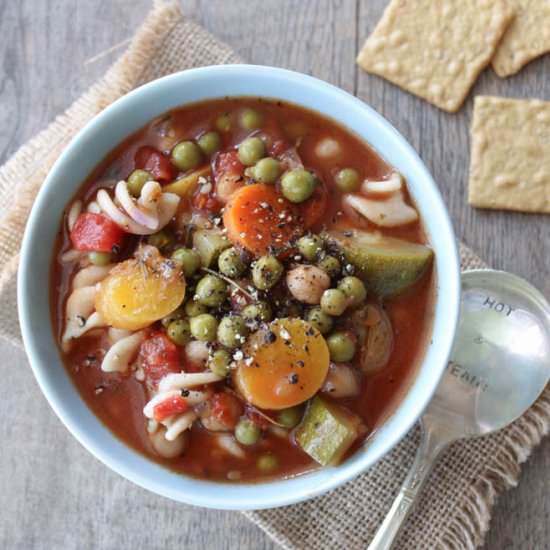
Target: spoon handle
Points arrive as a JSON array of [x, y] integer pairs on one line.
[[431, 445]]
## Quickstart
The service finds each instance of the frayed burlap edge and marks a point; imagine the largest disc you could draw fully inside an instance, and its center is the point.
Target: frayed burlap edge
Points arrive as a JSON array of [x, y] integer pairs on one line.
[[32, 161], [472, 519]]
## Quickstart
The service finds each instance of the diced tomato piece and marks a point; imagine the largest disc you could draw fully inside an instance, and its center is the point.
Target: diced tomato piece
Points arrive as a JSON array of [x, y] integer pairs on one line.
[[96, 233], [169, 407], [226, 409], [228, 173], [313, 211], [153, 161], [253, 415], [158, 356], [206, 201], [278, 147], [228, 163]]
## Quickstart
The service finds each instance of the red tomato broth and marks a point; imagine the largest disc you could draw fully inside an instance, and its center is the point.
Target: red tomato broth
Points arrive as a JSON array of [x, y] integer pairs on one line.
[[118, 401]]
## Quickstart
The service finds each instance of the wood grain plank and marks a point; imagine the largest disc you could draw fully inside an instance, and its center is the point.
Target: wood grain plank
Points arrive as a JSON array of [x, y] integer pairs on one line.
[[512, 241], [515, 242], [43, 55]]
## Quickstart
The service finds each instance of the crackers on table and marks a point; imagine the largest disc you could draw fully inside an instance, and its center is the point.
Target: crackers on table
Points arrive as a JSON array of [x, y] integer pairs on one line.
[[527, 37], [435, 49], [510, 156]]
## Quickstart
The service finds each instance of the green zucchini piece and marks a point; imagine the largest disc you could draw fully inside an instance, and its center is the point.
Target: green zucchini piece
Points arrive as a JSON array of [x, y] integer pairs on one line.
[[387, 265], [327, 431], [209, 243]]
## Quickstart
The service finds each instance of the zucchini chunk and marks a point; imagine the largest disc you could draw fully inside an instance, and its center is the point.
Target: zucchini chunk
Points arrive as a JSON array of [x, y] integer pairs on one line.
[[327, 431], [210, 243], [387, 265]]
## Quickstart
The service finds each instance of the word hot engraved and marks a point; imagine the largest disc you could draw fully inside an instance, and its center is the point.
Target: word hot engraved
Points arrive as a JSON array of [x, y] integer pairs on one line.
[[499, 307]]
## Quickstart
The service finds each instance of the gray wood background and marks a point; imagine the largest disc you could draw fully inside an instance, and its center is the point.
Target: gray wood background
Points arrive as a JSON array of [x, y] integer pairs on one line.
[[47, 50]]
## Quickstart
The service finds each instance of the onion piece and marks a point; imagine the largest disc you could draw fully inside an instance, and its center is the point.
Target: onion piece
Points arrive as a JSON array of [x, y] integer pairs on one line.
[[378, 345], [290, 159], [392, 184], [388, 213]]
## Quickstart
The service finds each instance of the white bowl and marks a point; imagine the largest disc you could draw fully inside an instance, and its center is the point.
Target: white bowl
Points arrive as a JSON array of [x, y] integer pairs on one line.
[[96, 140]]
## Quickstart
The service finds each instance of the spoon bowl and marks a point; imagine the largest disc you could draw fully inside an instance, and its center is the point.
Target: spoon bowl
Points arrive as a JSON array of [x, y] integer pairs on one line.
[[500, 364]]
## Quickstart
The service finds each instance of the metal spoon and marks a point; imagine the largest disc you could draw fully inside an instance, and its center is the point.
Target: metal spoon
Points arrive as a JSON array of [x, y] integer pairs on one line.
[[500, 363]]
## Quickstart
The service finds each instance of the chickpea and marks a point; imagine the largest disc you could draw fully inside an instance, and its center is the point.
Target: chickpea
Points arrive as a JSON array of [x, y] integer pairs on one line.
[[307, 283]]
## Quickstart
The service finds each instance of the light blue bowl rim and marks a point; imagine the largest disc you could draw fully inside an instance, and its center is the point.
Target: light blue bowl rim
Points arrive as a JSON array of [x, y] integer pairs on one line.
[[268, 82]]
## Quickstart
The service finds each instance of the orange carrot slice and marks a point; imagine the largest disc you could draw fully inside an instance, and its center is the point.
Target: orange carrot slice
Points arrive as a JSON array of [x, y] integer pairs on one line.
[[260, 220], [284, 365]]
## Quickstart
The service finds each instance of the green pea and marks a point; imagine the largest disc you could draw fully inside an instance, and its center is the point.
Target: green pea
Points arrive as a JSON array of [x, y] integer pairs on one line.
[[266, 272], [210, 143], [298, 185], [186, 155], [267, 463], [250, 119], [260, 311], [251, 150], [189, 259], [100, 258], [247, 432], [204, 327], [290, 417], [334, 302], [232, 331], [136, 180], [347, 180], [211, 291], [310, 246], [219, 362], [341, 347], [267, 170], [223, 122], [354, 289], [179, 331], [330, 265], [174, 316], [322, 321], [194, 308], [161, 239], [230, 263]]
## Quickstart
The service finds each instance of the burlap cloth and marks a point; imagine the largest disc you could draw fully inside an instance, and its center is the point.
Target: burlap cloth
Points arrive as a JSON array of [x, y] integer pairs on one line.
[[455, 508]]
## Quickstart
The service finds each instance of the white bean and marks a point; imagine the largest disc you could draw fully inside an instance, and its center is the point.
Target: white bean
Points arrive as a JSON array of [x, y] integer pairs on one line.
[[166, 448], [197, 352], [341, 381], [307, 283]]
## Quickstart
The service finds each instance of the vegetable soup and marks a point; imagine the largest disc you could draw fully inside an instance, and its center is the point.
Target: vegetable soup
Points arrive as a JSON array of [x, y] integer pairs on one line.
[[242, 290]]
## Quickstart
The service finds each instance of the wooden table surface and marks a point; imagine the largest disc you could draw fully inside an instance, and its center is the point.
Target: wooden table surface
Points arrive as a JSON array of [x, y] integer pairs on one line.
[[47, 54]]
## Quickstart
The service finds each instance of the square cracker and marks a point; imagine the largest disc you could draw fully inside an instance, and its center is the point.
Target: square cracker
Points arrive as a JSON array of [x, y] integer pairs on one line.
[[510, 158], [527, 37], [435, 49]]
